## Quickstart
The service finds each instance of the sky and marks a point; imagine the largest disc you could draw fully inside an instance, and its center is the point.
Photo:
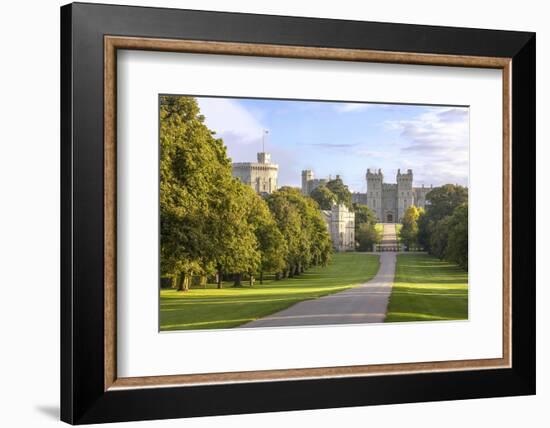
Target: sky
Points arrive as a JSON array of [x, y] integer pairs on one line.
[[340, 138]]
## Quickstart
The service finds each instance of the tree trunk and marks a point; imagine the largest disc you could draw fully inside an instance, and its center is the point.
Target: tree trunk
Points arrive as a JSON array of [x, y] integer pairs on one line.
[[251, 280], [219, 279], [278, 276], [203, 281], [238, 278], [261, 277], [183, 284]]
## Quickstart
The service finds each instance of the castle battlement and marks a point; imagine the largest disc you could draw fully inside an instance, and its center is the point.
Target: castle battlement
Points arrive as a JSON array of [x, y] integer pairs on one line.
[[389, 201], [261, 176]]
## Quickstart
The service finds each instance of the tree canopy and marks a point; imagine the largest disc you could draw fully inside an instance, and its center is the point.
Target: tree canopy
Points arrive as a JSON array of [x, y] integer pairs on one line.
[[443, 227], [305, 233], [340, 191], [323, 196], [409, 230], [211, 223]]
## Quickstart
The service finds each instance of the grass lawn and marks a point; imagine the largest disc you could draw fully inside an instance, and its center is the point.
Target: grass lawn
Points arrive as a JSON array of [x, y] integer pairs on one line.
[[427, 289], [229, 307]]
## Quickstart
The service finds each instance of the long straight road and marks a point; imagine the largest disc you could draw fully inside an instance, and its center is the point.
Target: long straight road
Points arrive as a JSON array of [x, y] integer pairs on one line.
[[366, 303]]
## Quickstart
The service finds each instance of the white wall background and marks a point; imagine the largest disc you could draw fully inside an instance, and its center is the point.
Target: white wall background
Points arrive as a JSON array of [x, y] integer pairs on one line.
[[29, 214]]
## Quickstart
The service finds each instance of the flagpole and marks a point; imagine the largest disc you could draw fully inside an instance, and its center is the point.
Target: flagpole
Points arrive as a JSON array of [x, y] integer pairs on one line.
[[264, 132]]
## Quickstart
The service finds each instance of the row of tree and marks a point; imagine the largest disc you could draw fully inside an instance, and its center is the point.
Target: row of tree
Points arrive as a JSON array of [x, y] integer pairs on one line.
[[212, 224], [442, 228]]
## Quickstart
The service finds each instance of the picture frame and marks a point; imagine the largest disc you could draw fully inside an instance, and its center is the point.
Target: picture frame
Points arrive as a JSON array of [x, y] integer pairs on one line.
[[91, 391]]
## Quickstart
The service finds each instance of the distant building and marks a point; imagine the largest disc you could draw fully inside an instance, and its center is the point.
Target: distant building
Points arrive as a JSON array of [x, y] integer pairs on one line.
[[341, 226], [389, 201], [261, 176], [309, 182]]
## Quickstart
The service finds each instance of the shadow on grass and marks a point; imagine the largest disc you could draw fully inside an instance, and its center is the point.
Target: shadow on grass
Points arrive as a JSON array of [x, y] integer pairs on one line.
[[204, 308], [427, 289]]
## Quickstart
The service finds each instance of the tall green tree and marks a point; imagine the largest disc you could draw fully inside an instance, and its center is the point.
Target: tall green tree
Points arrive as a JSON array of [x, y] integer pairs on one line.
[[341, 191], [440, 203], [409, 230], [270, 240], [191, 162], [364, 214], [203, 222], [457, 245], [366, 236], [306, 236], [323, 196]]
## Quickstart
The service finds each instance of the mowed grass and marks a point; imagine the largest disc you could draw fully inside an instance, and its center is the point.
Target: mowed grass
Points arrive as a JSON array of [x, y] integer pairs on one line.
[[211, 308], [427, 289]]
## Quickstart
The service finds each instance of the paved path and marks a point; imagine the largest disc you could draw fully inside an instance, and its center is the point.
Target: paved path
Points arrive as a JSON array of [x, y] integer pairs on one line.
[[366, 303]]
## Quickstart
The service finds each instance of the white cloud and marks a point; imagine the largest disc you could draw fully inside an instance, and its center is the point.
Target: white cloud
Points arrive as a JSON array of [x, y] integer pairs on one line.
[[227, 117], [436, 145], [351, 107], [242, 133]]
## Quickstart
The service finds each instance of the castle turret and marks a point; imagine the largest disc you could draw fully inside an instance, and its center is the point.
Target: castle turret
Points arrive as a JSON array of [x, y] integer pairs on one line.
[[264, 157], [261, 176], [307, 176], [374, 191], [405, 197]]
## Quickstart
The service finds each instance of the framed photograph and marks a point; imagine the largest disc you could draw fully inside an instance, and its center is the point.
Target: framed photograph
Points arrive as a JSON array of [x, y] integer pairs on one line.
[[267, 213]]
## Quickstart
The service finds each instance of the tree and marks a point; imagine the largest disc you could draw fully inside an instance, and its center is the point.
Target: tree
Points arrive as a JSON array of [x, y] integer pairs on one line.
[[457, 245], [270, 240], [341, 191], [203, 222], [299, 220], [323, 196], [440, 237], [366, 236], [364, 214], [409, 230], [192, 162], [442, 201], [237, 250]]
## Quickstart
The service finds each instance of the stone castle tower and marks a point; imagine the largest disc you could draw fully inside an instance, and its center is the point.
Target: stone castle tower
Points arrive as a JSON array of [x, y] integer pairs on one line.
[[374, 191], [404, 192], [389, 201], [261, 176], [309, 182]]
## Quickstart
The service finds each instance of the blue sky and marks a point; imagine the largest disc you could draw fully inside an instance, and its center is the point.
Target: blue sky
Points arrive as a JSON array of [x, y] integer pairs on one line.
[[333, 138]]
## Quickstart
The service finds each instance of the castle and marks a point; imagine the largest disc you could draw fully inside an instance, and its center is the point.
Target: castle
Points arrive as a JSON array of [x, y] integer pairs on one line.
[[389, 201], [310, 183], [261, 176]]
